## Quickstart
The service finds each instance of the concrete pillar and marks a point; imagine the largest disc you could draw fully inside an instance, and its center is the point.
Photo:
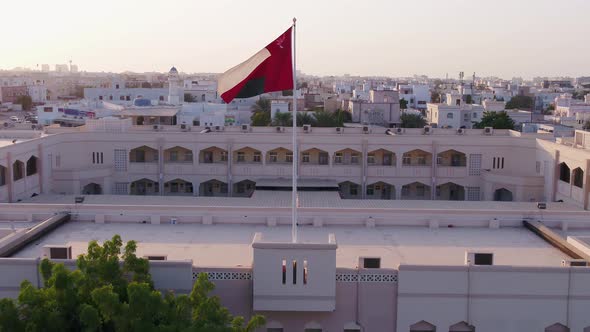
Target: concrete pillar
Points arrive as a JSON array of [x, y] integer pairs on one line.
[[230, 165], [398, 192], [9, 179], [555, 176], [587, 185], [433, 168], [40, 167], [161, 169]]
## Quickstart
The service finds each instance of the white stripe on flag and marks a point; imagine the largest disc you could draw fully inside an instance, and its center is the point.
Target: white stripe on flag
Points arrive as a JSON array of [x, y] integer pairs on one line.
[[237, 74]]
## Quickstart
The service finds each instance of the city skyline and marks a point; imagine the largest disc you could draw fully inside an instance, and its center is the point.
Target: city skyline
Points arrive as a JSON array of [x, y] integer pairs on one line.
[[507, 40]]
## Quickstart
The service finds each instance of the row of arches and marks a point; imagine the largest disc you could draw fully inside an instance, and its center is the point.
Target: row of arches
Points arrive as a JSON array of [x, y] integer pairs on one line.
[[19, 170], [424, 326], [575, 177], [378, 157], [347, 189]]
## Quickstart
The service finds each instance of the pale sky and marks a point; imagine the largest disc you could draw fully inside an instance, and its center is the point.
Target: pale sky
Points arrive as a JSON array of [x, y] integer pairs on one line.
[[506, 38]]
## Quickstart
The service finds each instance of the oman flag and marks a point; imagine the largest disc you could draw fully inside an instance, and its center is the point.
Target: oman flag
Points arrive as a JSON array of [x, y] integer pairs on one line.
[[271, 69]]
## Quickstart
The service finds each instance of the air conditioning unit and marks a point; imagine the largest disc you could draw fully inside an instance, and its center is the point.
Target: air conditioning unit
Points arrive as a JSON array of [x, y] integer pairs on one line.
[[479, 258], [156, 127], [427, 130], [57, 252], [307, 128], [245, 128], [366, 130], [399, 131], [460, 131], [339, 130], [184, 127], [218, 128], [279, 129], [488, 131], [573, 262]]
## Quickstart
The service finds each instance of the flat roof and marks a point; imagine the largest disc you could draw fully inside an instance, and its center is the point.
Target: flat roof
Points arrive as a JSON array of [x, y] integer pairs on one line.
[[148, 111], [230, 245], [307, 199]]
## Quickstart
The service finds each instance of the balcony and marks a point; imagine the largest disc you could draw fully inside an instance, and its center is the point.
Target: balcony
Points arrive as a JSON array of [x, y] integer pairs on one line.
[[452, 172]]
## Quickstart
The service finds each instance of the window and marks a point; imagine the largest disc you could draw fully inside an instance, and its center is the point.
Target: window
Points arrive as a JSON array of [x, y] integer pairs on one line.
[[370, 190], [371, 263], [17, 170], [578, 175], [474, 115], [371, 158], [449, 115], [305, 157], [564, 172], [483, 259], [121, 97], [421, 160], [120, 188], [294, 272], [473, 194], [273, 157], [289, 157], [173, 156], [120, 160], [323, 158], [99, 97], [32, 166], [354, 158], [257, 157], [188, 156], [354, 189], [2, 175], [498, 163], [338, 158], [155, 258], [97, 158], [241, 157], [223, 156], [474, 164], [406, 160], [284, 271], [538, 167], [305, 272], [420, 190]]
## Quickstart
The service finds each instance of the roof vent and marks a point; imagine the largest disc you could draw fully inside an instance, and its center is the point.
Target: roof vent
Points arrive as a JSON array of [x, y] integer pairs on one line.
[[57, 252], [479, 258], [574, 262]]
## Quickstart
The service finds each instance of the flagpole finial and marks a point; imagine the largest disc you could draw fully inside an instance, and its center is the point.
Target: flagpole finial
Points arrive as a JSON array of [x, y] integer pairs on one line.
[[294, 20]]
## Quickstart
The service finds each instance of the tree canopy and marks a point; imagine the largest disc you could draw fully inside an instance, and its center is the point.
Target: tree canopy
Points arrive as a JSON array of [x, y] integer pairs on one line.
[[25, 101], [403, 104], [496, 120], [522, 102], [112, 290], [412, 121]]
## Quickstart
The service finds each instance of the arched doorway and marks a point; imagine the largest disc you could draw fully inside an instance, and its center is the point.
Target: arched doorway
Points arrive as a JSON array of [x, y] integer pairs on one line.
[[92, 189], [503, 195]]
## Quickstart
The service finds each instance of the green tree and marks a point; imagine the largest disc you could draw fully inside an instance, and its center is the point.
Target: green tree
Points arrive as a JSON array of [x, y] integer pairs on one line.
[[324, 119], [284, 119], [26, 101], [521, 102], [496, 120], [304, 118], [188, 98], [412, 121], [261, 113], [111, 290], [403, 104], [342, 117]]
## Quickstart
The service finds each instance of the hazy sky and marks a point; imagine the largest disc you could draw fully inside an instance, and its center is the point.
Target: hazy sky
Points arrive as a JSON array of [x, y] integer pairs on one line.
[[367, 37]]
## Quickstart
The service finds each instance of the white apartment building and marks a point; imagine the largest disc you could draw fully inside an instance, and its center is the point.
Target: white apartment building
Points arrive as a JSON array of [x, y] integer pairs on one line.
[[416, 95], [454, 114], [382, 108], [567, 107]]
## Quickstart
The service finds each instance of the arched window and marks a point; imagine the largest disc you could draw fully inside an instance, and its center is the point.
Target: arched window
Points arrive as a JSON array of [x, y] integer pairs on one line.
[[17, 170], [422, 326], [557, 327], [578, 175], [564, 172], [32, 166]]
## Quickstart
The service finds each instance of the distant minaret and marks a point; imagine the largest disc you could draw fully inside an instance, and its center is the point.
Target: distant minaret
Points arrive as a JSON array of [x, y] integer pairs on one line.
[[174, 87]]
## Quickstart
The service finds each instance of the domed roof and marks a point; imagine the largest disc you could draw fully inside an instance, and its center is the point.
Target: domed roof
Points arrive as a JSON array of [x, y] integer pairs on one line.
[[173, 70]]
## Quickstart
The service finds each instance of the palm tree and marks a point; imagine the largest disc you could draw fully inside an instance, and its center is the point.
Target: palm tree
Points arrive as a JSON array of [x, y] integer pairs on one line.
[[261, 105], [324, 119], [304, 118], [283, 119]]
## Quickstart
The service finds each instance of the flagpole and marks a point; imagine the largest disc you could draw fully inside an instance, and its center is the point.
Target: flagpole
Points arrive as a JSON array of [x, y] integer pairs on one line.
[[295, 151]]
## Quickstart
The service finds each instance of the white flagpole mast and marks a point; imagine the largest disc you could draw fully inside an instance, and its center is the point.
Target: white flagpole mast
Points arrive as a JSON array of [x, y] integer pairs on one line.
[[295, 152]]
